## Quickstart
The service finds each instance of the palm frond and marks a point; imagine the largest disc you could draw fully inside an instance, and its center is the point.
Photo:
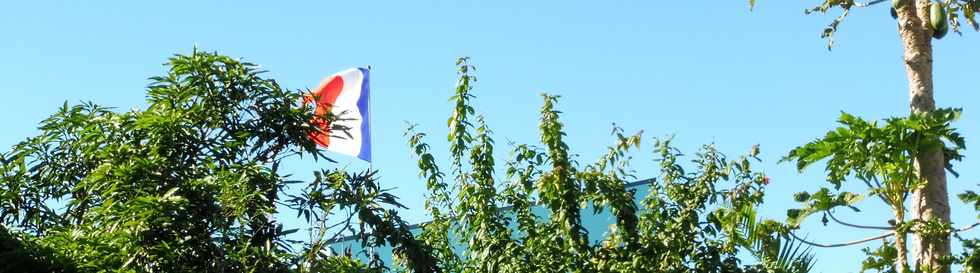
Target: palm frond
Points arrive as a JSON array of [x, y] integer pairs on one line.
[[777, 252]]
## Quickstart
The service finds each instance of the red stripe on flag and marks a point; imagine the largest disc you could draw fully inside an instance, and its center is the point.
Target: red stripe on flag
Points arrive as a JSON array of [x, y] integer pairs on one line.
[[328, 94]]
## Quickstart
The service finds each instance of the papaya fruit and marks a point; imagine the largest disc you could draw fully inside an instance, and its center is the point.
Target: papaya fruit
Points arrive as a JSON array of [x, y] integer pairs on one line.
[[897, 3], [937, 15], [940, 33]]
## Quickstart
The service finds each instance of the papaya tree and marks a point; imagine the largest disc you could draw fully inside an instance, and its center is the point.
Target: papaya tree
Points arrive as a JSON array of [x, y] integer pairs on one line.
[[883, 158], [191, 183], [695, 218], [918, 23]]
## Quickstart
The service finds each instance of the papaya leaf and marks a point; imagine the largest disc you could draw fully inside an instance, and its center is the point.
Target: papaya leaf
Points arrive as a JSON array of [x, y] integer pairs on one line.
[[820, 201]]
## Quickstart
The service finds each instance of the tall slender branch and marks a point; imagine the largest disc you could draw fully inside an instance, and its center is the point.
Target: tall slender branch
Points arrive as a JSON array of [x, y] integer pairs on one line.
[[868, 4], [878, 184], [832, 217], [865, 240], [967, 227], [850, 243]]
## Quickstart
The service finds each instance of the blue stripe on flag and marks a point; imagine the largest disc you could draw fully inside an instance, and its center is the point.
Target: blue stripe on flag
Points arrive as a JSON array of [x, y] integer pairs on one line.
[[363, 105]]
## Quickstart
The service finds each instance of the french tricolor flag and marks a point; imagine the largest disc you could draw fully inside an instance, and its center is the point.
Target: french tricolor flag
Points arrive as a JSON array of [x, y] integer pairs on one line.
[[346, 95]]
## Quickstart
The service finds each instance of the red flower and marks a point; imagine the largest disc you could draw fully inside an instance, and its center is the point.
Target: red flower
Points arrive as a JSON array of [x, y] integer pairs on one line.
[[765, 180]]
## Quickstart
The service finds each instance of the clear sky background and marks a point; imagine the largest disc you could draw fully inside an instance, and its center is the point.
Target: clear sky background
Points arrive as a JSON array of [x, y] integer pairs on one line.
[[707, 71]]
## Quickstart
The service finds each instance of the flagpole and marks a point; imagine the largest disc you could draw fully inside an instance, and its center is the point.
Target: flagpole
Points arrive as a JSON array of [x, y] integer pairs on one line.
[[370, 124]]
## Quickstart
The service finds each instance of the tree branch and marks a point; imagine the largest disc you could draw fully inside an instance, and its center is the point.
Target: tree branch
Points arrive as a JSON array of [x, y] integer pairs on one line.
[[856, 226], [968, 227], [868, 4], [878, 184], [865, 240]]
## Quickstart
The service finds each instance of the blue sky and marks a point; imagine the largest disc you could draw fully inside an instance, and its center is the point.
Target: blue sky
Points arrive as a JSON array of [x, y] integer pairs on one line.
[[706, 71]]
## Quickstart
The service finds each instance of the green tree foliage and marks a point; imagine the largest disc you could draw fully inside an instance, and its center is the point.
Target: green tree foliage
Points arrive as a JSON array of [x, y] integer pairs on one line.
[[189, 184], [918, 22], [882, 157], [693, 220], [20, 253]]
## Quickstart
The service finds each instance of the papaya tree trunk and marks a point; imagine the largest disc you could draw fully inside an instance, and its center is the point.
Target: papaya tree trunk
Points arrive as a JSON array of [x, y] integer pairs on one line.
[[932, 200], [901, 245]]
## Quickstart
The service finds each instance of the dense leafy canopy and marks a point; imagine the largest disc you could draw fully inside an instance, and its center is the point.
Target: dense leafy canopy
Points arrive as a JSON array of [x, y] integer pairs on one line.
[[689, 221], [190, 184]]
